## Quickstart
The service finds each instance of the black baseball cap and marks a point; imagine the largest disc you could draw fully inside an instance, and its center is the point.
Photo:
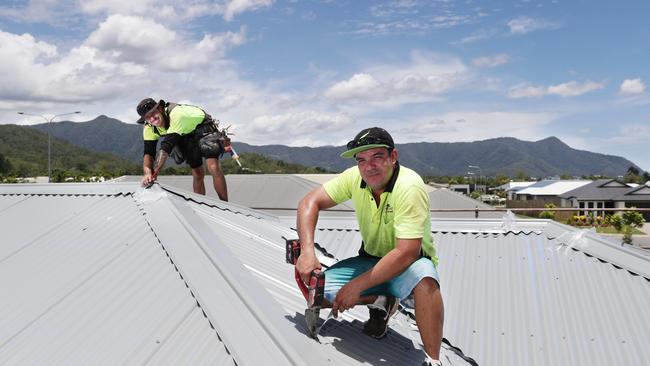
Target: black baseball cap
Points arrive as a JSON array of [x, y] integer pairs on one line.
[[145, 106], [369, 138]]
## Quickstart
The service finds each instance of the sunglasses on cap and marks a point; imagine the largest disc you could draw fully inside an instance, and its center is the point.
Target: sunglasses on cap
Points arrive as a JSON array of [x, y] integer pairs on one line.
[[367, 140]]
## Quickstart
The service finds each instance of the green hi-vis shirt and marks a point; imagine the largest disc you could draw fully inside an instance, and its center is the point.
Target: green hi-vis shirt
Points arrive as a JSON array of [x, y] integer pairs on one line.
[[183, 119], [402, 213]]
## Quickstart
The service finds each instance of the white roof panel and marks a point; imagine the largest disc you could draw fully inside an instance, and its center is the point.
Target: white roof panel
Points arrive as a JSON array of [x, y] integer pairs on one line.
[[552, 187]]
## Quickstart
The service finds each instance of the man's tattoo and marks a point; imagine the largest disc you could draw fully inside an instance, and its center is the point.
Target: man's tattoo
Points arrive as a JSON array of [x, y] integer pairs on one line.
[[161, 158]]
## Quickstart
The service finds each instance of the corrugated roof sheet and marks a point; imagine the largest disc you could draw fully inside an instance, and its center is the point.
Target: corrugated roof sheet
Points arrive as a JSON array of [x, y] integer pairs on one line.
[[279, 194], [116, 278], [523, 298], [276, 194], [448, 200], [120, 275], [552, 187]]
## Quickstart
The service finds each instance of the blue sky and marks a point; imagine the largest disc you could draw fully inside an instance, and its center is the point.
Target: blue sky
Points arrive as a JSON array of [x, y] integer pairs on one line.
[[316, 72]]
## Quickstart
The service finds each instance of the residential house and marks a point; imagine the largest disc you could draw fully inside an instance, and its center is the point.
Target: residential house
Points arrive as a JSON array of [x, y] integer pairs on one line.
[[512, 187], [608, 193]]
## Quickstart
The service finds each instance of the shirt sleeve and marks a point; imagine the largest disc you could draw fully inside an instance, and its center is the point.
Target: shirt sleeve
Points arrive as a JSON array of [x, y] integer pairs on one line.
[[340, 188], [168, 142], [150, 147], [411, 213]]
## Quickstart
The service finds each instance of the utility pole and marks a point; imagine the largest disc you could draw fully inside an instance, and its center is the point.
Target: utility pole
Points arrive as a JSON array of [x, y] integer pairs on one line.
[[479, 172], [49, 144]]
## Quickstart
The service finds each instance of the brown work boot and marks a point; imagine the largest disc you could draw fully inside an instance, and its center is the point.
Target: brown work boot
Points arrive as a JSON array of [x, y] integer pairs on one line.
[[380, 311]]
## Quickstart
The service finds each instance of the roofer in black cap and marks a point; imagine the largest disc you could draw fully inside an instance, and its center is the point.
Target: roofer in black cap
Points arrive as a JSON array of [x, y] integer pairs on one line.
[[187, 133]]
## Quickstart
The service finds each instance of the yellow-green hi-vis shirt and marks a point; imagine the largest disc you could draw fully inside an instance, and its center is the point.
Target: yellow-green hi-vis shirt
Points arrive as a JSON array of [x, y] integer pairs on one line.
[[183, 119], [403, 210]]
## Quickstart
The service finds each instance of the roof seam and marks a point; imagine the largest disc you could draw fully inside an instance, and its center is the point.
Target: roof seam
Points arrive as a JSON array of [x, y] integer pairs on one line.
[[210, 205], [180, 275]]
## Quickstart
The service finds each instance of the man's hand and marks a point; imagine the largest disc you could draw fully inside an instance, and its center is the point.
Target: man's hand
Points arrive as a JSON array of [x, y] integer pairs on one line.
[[347, 297], [307, 262], [147, 180]]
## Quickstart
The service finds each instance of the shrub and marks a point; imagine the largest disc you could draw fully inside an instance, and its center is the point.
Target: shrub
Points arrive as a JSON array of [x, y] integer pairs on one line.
[[617, 222], [633, 219]]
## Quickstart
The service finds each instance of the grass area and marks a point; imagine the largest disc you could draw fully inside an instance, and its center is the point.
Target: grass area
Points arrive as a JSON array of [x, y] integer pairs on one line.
[[612, 230]]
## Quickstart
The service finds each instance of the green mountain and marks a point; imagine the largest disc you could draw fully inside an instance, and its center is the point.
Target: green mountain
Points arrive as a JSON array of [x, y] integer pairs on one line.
[[505, 155], [25, 150]]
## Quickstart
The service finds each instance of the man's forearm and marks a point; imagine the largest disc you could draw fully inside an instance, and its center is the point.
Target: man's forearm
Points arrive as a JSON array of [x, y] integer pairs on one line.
[[160, 160], [306, 219], [388, 267], [147, 164]]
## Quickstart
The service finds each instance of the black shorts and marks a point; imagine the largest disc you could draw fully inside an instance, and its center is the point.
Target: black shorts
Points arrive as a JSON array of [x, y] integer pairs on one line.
[[190, 149]]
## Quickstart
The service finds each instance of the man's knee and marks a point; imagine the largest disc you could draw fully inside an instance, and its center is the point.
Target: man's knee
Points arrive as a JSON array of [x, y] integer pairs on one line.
[[427, 285], [198, 172], [213, 166]]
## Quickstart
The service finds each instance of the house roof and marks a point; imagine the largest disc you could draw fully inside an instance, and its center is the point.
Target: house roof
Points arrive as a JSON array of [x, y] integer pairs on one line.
[[112, 273], [533, 292], [552, 187], [279, 194], [443, 198], [601, 189], [609, 190], [515, 186], [115, 274], [636, 194]]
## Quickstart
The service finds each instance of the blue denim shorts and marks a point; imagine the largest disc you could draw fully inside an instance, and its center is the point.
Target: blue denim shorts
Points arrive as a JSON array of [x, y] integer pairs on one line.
[[400, 286]]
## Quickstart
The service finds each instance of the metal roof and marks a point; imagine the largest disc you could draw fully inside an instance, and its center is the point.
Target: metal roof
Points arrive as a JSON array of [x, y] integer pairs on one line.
[[552, 187], [276, 194], [103, 274], [115, 274], [515, 186], [279, 194], [547, 294], [111, 274], [447, 199]]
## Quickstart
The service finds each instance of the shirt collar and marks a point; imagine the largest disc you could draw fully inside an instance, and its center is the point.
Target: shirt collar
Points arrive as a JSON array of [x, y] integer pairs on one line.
[[391, 182]]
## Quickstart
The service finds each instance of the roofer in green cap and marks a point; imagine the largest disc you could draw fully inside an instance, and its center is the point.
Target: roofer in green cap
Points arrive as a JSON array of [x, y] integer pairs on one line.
[[397, 259], [186, 133]]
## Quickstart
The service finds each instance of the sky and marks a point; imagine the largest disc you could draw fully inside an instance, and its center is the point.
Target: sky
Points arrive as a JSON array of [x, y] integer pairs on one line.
[[314, 73]]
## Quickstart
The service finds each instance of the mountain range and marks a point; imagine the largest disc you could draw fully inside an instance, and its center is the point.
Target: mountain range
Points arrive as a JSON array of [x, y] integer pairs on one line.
[[505, 155]]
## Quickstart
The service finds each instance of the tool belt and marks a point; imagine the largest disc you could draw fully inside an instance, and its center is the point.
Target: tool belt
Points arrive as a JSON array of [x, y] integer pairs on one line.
[[212, 141]]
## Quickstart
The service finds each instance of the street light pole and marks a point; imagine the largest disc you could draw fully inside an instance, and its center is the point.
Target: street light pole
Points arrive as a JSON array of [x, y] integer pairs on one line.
[[49, 144], [479, 170]]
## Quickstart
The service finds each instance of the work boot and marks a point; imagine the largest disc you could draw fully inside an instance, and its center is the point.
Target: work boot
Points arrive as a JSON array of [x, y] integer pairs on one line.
[[432, 363], [380, 312]]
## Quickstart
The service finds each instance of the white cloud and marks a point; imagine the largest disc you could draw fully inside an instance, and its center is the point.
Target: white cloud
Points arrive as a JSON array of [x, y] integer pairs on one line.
[[491, 61], [476, 36], [361, 86], [122, 53], [297, 128], [475, 126], [573, 88], [524, 25], [631, 87], [526, 91], [234, 7], [426, 77], [63, 13], [568, 89], [134, 39]]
